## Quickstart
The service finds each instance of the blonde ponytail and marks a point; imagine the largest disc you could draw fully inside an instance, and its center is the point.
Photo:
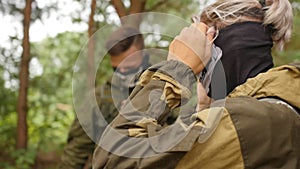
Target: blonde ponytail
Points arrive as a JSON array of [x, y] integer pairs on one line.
[[275, 13], [279, 14]]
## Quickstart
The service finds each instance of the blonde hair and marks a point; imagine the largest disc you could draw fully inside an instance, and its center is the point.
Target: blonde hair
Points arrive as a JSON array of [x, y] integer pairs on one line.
[[277, 14]]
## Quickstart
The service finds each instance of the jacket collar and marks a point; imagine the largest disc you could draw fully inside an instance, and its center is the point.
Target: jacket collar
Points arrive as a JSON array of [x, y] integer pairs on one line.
[[281, 82]]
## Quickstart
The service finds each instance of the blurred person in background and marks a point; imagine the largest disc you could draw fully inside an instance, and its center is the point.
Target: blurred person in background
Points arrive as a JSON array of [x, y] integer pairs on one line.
[[125, 47]]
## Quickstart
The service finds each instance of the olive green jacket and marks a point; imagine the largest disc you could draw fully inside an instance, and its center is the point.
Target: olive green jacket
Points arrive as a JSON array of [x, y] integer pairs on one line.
[[240, 131], [79, 148]]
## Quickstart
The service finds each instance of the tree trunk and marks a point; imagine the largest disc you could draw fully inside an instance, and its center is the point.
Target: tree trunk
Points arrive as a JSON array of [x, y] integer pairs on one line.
[[22, 108], [91, 45], [119, 7], [136, 6]]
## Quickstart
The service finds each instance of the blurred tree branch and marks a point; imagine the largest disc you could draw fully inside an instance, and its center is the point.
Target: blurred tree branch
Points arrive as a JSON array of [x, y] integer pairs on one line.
[[91, 43], [119, 7]]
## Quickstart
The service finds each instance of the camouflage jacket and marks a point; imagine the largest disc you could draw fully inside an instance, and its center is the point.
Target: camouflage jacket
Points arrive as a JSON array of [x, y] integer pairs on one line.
[[79, 147], [241, 131]]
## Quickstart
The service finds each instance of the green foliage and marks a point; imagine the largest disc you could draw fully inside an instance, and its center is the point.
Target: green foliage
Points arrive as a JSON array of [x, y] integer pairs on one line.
[[50, 91], [50, 101], [50, 97], [24, 159], [7, 132], [181, 8], [10, 157], [8, 99]]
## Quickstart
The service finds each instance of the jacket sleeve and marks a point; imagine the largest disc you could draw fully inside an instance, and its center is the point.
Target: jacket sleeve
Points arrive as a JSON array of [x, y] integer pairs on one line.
[[134, 138], [78, 148]]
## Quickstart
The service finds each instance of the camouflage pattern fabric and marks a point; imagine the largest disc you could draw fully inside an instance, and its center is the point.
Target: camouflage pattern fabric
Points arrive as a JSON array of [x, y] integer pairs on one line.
[[240, 131], [79, 148]]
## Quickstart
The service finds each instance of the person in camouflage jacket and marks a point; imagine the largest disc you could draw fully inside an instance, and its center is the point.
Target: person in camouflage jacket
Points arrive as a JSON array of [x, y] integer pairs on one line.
[[255, 126], [120, 45]]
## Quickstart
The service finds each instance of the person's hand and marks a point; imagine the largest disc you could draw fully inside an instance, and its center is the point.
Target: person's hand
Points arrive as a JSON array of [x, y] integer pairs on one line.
[[192, 46]]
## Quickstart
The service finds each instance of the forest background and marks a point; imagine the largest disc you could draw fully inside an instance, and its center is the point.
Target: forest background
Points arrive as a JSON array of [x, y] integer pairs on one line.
[[40, 41]]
